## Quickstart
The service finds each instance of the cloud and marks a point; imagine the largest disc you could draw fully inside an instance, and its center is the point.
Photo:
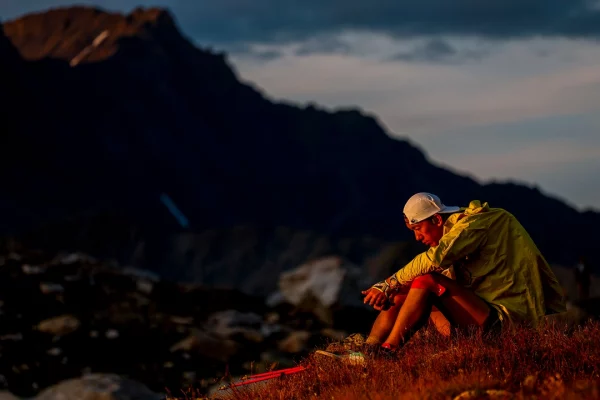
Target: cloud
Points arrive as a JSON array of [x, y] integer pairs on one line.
[[251, 52], [275, 21], [511, 84], [289, 21], [438, 51], [323, 45]]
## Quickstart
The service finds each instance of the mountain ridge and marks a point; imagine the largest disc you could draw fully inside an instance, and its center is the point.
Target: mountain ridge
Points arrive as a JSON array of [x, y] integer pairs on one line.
[[174, 118]]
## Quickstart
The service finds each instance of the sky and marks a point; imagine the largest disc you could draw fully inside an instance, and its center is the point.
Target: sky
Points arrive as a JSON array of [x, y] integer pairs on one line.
[[500, 90]]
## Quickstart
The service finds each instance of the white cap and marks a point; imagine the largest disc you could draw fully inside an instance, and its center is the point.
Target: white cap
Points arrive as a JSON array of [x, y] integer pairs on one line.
[[424, 205]]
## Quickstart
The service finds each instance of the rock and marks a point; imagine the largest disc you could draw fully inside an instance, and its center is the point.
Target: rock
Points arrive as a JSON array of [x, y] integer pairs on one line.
[[319, 285], [55, 351], [326, 279], [207, 345], [74, 258], [321, 278], [232, 323], [145, 286], [12, 336], [112, 334], [333, 334], [49, 288], [33, 269], [98, 387], [59, 326], [4, 395], [295, 342], [181, 320], [141, 274]]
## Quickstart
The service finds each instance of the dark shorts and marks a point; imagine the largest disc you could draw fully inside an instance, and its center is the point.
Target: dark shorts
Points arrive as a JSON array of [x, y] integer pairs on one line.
[[493, 324]]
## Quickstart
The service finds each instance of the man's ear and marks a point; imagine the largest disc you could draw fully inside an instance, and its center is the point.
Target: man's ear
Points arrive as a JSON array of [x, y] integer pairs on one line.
[[438, 220]]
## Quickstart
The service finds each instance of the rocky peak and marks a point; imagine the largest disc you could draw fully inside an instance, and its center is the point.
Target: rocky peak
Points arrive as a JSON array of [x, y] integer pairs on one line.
[[64, 33]]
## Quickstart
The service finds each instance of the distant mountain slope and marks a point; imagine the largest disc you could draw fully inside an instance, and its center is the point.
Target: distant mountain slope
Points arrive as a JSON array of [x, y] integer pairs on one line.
[[145, 112]]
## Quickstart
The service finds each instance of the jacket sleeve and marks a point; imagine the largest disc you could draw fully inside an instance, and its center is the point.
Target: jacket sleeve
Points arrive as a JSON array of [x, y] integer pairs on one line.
[[454, 246]]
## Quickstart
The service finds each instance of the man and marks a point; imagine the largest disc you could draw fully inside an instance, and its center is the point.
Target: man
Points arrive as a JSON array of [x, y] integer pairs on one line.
[[482, 269]]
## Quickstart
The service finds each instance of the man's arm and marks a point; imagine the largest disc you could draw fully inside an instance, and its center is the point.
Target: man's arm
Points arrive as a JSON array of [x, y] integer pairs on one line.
[[454, 246]]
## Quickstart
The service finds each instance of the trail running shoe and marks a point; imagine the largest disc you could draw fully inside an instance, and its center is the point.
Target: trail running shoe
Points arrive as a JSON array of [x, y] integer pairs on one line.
[[354, 342]]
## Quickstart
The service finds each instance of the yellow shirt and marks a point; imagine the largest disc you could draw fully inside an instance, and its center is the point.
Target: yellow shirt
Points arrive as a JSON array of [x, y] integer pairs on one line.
[[488, 250]]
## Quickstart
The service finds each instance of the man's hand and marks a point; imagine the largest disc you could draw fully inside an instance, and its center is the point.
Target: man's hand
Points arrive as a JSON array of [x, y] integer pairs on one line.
[[375, 298]]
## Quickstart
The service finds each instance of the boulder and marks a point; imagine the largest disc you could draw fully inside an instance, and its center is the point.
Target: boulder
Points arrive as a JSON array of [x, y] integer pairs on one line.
[[98, 387], [319, 285]]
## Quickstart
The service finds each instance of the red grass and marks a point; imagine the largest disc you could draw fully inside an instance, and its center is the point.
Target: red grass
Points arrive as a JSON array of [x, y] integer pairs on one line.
[[545, 363]]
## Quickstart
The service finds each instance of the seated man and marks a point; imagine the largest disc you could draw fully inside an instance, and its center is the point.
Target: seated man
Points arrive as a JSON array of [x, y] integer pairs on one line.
[[482, 270]]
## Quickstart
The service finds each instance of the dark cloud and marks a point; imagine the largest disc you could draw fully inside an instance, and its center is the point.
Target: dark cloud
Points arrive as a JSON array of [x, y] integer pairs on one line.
[[278, 21], [225, 22], [438, 51]]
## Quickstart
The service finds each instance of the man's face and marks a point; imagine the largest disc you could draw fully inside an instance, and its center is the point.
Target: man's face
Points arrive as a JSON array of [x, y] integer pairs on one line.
[[429, 232]]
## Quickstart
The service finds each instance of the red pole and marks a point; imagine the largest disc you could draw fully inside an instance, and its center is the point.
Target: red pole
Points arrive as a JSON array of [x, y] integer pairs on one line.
[[268, 375]]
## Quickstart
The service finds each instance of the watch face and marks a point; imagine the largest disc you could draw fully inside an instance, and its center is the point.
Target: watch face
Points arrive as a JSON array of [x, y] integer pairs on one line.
[[394, 282]]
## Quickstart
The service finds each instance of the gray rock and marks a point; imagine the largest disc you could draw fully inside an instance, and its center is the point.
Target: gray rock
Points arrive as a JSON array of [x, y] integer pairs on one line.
[[321, 278], [318, 285], [98, 387]]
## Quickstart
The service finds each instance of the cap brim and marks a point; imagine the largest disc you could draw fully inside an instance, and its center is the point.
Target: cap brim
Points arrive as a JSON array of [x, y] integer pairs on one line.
[[448, 210]]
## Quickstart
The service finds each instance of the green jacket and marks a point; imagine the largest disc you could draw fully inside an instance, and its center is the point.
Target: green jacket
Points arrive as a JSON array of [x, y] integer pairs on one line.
[[488, 250]]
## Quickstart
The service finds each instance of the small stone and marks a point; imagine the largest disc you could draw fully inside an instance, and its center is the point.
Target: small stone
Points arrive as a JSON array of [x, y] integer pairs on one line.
[[55, 351], [59, 326], [112, 334], [182, 320], [49, 288], [144, 286], [12, 336], [189, 375], [32, 270]]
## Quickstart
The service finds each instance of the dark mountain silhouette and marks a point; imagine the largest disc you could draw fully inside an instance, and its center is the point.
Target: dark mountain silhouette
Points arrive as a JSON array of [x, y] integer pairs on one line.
[[110, 128]]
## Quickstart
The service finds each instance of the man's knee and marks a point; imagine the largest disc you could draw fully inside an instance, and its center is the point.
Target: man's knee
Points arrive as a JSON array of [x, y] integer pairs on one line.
[[430, 282]]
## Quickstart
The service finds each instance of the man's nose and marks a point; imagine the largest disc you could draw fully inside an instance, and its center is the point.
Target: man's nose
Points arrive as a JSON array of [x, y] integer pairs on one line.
[[418, 236]]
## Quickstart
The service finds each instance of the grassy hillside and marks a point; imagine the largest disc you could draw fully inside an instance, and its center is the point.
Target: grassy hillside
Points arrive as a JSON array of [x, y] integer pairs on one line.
[[545, 363]]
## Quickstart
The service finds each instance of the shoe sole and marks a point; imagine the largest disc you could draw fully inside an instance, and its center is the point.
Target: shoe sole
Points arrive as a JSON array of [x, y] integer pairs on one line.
[[350, 359]]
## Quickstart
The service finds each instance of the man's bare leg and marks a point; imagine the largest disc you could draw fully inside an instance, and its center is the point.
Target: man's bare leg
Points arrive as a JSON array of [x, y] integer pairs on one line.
[[441, 323], [412, 312], [385, 321], [460, 306]]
